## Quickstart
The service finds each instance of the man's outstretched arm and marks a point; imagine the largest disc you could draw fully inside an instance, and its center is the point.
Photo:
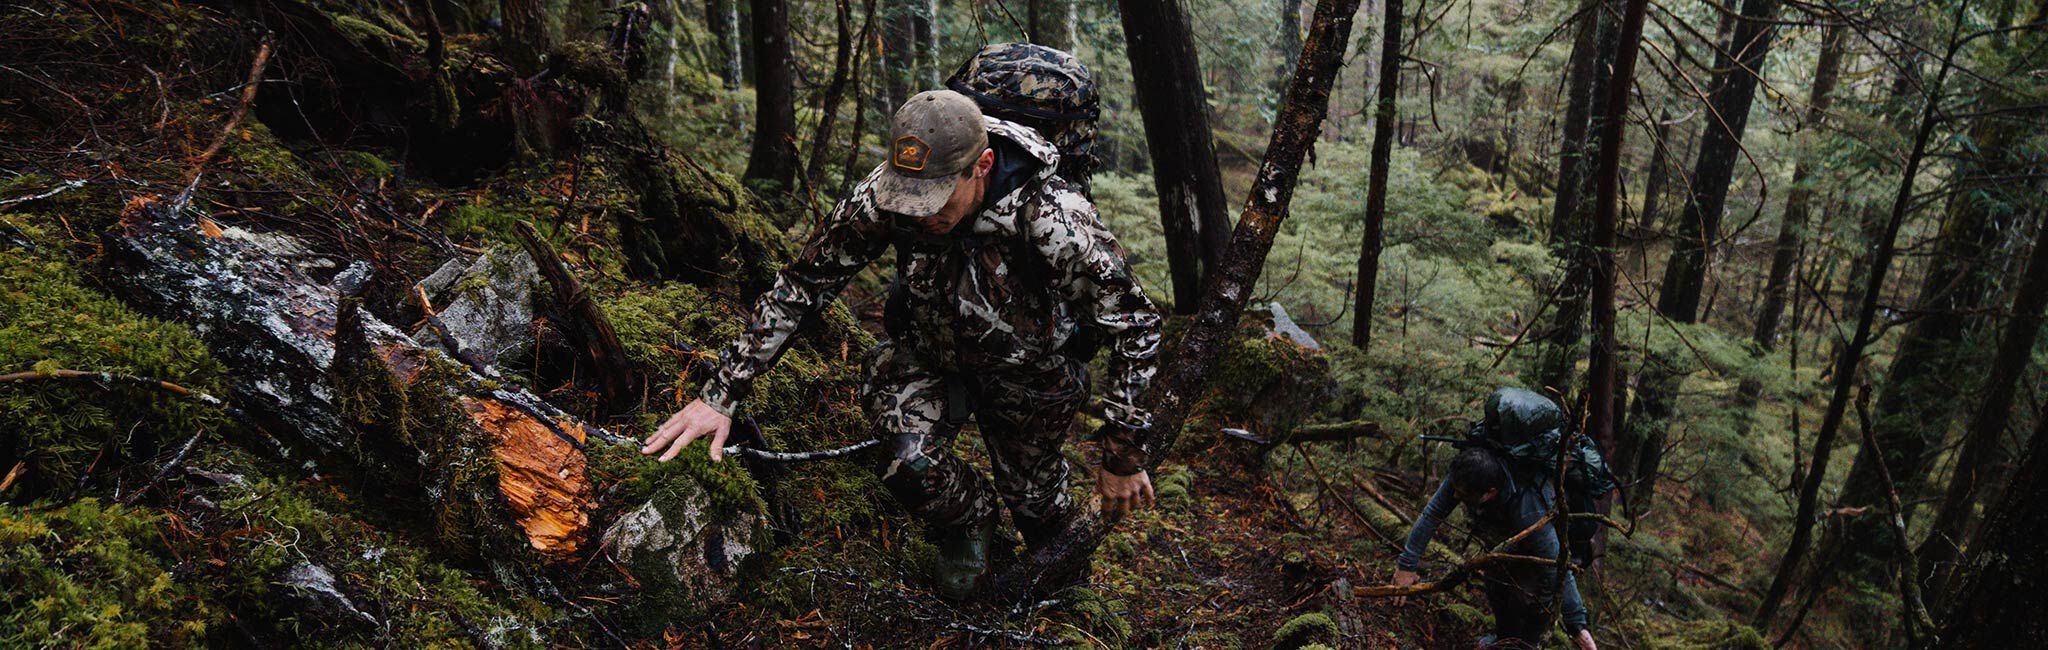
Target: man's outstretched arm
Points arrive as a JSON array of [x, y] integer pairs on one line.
[[1091, 273], [850, 238]]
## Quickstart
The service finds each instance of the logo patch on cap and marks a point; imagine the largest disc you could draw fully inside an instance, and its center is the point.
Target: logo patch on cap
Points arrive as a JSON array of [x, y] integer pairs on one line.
[[911, 153]]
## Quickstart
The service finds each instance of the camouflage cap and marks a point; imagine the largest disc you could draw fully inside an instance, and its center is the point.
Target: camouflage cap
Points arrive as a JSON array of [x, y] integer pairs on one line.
[[937, 135], [1028, 83]]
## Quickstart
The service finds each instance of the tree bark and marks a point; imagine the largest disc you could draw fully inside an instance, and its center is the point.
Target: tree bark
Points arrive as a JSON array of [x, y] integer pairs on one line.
[[1603, 396], [722, 19], [1376, 181], [2006, 584], [828, 107], [1167, 74], [1792, 231], [1852, 356], [332, 381], [1729, 97], [1987, 429], [1659, 172], [1584, 110], [527, 36], [773, 162], [1184, 379]]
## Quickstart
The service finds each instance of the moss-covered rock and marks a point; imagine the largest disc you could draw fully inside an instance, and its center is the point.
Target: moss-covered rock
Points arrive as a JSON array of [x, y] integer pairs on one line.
[[1313, 628]]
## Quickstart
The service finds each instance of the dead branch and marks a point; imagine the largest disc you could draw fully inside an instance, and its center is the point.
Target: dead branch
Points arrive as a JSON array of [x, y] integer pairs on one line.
[[262, 61], [591, 327]]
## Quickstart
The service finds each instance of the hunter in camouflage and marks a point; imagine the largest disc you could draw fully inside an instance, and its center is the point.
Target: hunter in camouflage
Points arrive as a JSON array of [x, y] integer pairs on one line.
[[992, 308]]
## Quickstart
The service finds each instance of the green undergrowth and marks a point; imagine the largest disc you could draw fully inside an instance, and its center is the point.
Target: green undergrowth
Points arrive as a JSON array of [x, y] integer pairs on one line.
[[89, 574], [69, 432]]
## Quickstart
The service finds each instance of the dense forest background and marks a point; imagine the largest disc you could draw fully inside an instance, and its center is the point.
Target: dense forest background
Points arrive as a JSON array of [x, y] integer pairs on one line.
[[331, 322]]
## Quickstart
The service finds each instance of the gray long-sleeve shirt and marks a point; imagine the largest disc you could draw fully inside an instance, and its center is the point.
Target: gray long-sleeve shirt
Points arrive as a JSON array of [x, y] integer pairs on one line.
[[1511, 512]]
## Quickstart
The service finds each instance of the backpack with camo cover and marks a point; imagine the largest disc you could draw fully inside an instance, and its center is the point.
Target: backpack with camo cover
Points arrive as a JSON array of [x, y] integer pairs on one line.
[[1040, 87]]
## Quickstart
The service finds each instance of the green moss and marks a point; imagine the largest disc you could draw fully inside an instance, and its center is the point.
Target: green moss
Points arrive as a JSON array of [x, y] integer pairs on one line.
[[436, 605], [59, 427], [1708, 633], [1304, 630], [385, 32], [92, 575], [257, 152], [1174, 484]]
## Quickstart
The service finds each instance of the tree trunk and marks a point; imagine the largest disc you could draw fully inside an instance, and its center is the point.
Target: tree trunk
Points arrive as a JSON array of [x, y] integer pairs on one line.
[[1792, 231], [1185, 378], [772, 164], [2005, 585], [1603, 395], [1588, 76], [1167, 74], [1376, 182], [1730, 94], [828, 107], [1289, 44], [1935, 366], [1851, 357], [722, 19], [1987, 429], [527, 38], [1659, 173], [333, 381]]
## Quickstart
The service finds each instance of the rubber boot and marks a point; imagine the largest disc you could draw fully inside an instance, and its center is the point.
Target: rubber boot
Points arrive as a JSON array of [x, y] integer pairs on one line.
[[963, 558]]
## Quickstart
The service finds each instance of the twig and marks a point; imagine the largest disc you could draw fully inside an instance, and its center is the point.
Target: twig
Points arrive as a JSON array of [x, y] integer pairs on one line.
[[184, 196], [59, 189], [176, 460], [800, 456]]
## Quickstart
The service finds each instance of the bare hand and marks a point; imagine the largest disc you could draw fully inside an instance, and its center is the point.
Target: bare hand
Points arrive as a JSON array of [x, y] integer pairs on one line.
[[1122, 494], [695, 421], [1585, 640], [1404, 577]]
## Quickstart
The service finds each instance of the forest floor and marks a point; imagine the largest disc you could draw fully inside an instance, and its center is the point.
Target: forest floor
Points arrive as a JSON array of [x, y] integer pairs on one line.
[[1248, 546]]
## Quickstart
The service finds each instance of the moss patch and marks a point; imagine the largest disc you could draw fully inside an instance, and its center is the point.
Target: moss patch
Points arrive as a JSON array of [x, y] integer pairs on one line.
[[88, 574], [49, 321]]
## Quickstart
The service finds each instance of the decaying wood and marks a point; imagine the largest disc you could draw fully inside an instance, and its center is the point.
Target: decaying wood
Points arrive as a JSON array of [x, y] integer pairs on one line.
[[589, 324], [283, 332]]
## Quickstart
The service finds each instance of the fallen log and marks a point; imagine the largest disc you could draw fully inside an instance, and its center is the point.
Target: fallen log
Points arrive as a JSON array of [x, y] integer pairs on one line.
[[491, 466]]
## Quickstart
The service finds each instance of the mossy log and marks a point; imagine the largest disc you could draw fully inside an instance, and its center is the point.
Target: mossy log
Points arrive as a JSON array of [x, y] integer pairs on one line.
[[488, 462]]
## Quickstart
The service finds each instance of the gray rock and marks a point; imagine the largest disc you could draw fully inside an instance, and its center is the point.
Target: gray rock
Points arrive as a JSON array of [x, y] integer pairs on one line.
[[487, 304], [679, 543], [1285, 326]]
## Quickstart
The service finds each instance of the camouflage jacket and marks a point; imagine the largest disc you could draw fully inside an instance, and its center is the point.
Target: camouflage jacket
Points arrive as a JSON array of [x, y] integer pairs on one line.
[[969, 312]]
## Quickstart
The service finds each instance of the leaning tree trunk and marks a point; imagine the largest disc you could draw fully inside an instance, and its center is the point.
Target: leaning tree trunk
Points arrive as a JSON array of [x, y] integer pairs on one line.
[[1167, 73], [1376, 181], [1935, 365], [1685, 275], [1852, 356], [1183, 381], [828, 107], [772, 165], [1987, 429], [2005, 585]]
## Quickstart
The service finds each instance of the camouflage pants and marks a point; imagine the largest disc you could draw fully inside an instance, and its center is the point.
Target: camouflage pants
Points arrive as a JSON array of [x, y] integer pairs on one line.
[[1023, 418]]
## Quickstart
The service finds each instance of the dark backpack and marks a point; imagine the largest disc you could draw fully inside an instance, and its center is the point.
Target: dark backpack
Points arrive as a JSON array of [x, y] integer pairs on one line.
[[1523, 429], [1042, 88]]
